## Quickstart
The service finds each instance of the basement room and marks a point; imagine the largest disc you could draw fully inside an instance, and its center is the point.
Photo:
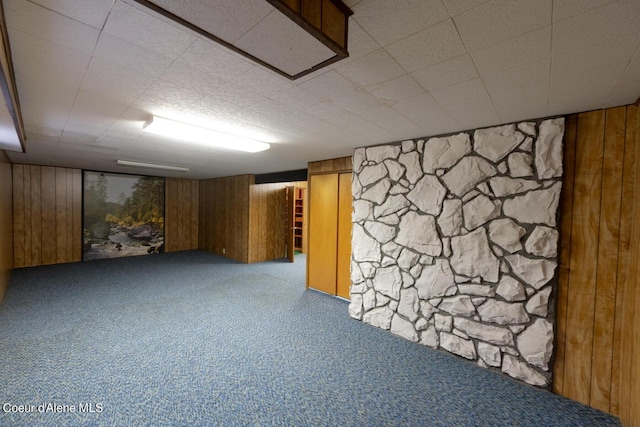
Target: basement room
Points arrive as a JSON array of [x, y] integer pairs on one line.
[[320, 213]]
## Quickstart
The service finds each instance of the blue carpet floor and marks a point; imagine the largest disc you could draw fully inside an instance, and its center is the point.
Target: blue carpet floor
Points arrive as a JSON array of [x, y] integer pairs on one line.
[[193, 339]]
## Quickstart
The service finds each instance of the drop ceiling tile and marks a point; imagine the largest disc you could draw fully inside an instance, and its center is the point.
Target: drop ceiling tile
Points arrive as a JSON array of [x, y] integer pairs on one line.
[[428, 47], [390, 21], [424, 111], [29, 70], [212, 58], [563, 9], [274, 86], [120, 52], [115, 81], [349, 121], [514, 78], [468, 103], [392, 121], [524, 49], [48, 25], [211, 108], [90, 12], [226, 20], [334, 88], [141, 28], [595, 56], [609, 22], [456, 7], [45, 103], [625, 92], [39, 60], [94, 111], [499, 20], [632, 71], [390, 92], [188, 77], [377, 67], [43, 133], [238, 95], [166, 98], [359, 42], [569, 92], [457, 70], [274, 115], [280, 42], [359, 100], [522, 103]]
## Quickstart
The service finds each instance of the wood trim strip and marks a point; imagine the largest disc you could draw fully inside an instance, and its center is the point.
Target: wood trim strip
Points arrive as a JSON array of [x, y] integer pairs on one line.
[[584, 244], [608, 243], [565, 251]]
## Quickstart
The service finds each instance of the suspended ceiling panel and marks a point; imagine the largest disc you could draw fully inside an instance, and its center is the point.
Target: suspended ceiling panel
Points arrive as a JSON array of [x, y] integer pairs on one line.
[[258, 30]]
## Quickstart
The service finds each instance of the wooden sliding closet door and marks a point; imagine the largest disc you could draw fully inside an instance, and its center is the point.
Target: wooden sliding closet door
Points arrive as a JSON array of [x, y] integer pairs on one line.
[[345, 203], [323, 232]]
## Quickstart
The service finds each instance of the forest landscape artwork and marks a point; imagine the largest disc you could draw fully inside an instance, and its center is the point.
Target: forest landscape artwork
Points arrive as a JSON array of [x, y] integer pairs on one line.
[[123, 215]]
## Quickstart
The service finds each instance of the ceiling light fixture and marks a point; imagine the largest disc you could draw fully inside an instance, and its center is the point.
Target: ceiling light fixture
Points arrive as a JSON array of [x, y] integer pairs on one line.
[[200, 135], [152, 166]]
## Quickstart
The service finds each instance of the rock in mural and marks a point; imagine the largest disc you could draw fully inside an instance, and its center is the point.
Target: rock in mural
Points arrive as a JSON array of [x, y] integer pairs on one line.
[[454, 243]]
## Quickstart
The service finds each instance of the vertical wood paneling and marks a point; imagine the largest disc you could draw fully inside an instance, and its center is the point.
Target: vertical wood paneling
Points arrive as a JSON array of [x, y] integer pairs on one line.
[[624, 279], [19, 233], [626, 222], [48, 235], [61, 214], [76, 212], [584, 246], [6, 223], [598, 327], [26, 249], [36, 215], [69, 230], [608, 243], [224, 216], [341, 164], [181, 214], [629, 406], [46, 215], [267, 221], [565, 250], [323, 232], [343, 268]]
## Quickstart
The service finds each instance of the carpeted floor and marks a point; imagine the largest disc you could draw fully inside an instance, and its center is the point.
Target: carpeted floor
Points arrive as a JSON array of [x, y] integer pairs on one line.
[[193, 339]]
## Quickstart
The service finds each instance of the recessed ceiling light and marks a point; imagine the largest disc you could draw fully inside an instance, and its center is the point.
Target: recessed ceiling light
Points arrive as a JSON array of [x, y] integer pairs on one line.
[[200, 135]]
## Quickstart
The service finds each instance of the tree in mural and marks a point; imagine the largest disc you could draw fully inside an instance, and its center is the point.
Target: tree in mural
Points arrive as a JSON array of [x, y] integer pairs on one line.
[[145, 205], [95, 206]]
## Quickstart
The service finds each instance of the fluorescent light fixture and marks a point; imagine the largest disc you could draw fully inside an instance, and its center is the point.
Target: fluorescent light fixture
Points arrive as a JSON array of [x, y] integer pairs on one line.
[[200, 135], [152, 166]]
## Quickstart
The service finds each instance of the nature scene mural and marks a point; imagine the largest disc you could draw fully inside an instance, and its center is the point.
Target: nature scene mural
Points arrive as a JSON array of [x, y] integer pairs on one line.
[[123, 215]]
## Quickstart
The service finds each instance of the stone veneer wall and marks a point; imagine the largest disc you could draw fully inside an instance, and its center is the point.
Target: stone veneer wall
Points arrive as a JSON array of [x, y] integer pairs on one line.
[[455, 243]]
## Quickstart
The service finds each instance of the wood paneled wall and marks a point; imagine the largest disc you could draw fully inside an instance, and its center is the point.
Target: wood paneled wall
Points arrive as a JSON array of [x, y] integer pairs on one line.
[[6, 223], [181, 214], [224, 216], [341, 164], [268, 220], [598, 329], [47, 209]]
